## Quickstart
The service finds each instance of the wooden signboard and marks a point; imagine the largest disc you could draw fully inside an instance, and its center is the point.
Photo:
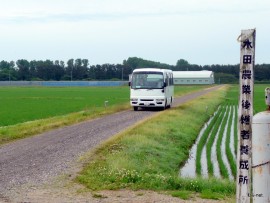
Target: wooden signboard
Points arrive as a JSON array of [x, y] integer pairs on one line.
[[245, 114]]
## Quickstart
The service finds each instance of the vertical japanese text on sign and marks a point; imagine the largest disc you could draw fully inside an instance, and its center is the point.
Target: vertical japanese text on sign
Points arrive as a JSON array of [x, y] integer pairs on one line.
[[245, 115]]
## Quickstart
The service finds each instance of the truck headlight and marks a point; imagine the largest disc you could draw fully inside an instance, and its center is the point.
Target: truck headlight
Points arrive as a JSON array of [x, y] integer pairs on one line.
[[133, 99], [160, 100]]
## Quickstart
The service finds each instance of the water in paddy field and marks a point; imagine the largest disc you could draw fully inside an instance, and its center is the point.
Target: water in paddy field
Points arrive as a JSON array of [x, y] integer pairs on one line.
[[214, 157], [232, 133], [189, 169], [223, 145]]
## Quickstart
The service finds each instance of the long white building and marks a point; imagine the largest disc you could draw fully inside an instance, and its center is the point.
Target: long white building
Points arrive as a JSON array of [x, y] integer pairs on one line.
[[193, 77]]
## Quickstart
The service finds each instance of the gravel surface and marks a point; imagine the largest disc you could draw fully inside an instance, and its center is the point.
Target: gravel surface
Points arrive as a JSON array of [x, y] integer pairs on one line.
[[38, 159]]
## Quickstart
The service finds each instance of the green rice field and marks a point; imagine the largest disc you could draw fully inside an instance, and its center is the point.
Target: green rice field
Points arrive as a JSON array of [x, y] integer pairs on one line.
[[218, 141], [22, 104], [259, 96]]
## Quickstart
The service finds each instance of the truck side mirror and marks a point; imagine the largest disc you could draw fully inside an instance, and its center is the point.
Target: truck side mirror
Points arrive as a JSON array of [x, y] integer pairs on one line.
[[165, 84], [129, 83]]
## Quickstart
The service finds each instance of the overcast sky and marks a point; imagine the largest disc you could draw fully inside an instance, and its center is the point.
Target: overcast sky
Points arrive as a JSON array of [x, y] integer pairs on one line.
[[109, 31]]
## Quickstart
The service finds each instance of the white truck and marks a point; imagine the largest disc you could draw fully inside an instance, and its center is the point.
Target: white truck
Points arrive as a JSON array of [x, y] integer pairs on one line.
[[151, 87]]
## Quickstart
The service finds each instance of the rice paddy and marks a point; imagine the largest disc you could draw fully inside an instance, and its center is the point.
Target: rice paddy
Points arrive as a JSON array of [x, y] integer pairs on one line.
[[214, 152], [23, 104]]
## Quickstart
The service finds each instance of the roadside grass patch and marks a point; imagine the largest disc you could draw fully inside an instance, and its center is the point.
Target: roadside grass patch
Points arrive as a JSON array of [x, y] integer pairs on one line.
[[183, 194], [99, 196], [149, 155], [208, 194]]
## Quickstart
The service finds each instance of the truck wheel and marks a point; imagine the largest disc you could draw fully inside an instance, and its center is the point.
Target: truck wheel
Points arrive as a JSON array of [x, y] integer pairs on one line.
[[165, 106], [170, 104], [135, 108]]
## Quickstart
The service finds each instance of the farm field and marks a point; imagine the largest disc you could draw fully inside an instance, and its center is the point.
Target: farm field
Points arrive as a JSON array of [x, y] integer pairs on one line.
[[27, 111], [214, 152], [259, 96], [22, 104]]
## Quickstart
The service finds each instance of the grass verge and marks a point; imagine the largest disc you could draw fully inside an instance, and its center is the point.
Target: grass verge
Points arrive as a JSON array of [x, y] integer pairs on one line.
[[148, 156]]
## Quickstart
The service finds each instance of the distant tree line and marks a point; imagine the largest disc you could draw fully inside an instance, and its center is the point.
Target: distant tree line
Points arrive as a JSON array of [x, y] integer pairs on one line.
[[223, 73], [80, 69]]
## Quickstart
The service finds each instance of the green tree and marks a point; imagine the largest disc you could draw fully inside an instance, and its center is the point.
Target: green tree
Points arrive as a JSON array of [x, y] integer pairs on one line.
[[80, 69], [182, 65], [70, 68], [182, 62], [23, 69]]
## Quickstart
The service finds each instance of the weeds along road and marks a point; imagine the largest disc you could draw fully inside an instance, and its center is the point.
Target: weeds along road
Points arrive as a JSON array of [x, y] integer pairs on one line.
[[38, 159]]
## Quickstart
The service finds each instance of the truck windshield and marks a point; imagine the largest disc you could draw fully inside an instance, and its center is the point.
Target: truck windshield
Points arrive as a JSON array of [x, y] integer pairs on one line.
[[147, 80]]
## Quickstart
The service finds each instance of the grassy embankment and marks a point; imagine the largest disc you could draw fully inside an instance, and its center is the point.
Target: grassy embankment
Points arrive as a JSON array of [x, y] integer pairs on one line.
[[148, 156], [27, 111]]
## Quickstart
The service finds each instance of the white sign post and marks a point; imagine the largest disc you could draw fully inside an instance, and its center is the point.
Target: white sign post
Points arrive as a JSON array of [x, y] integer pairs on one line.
[[245, 114]]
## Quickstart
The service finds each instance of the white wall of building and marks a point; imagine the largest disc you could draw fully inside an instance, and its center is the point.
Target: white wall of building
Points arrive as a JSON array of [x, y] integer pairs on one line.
[[193, 77]]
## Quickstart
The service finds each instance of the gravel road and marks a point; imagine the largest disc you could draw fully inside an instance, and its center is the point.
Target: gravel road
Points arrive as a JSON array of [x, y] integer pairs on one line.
[[37, 159]]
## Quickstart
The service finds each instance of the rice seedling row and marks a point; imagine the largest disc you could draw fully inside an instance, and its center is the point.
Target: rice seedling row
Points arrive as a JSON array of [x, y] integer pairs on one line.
[[235, 130], [224, 171], [210, 143], [229, 153], [216, 141], [202, 143]]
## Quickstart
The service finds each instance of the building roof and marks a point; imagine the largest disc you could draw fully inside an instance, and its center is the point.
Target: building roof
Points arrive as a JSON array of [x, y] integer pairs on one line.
[[192, 74], [151, 70]]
